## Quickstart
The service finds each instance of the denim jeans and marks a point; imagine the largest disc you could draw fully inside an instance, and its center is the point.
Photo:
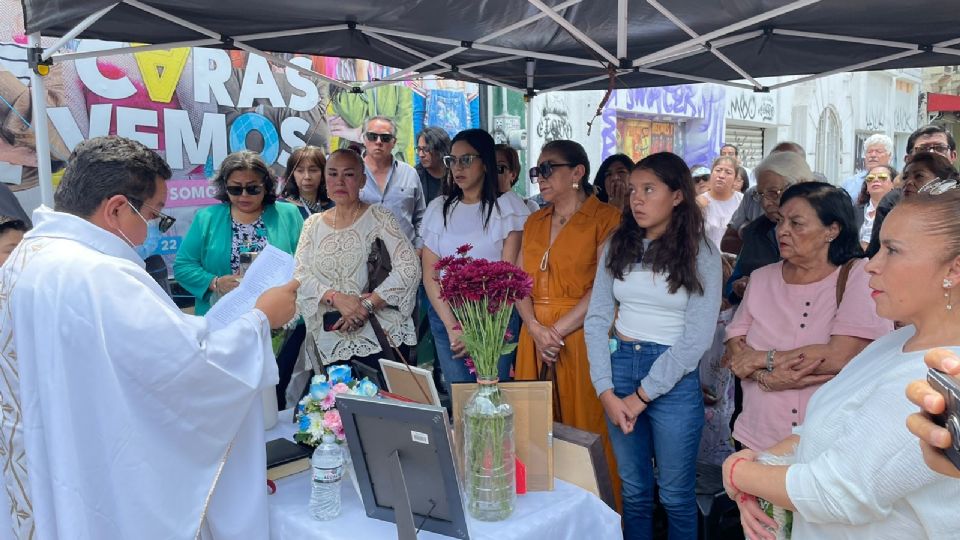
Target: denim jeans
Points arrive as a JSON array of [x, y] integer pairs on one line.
[[667, 431], [455, 369]]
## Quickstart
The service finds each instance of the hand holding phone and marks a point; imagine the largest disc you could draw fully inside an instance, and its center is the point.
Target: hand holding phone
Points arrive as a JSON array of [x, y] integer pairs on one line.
[[949, 388], [330, 320]]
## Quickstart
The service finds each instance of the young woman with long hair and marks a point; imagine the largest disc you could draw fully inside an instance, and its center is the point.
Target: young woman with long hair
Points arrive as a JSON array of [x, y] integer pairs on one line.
[[658, 285]]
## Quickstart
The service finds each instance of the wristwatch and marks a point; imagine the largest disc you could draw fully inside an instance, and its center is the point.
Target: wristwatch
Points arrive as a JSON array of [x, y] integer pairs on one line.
[[770, 354]]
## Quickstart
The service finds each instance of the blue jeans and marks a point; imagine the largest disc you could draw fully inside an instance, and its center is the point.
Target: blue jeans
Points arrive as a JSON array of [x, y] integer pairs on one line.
[[667, 431], [455, 369]]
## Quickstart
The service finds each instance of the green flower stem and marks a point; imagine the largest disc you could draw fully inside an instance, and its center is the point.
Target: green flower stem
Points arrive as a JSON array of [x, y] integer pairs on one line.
[[485, 455]]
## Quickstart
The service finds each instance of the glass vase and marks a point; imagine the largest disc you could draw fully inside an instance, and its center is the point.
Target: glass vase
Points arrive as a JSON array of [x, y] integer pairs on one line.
[[489, 477]]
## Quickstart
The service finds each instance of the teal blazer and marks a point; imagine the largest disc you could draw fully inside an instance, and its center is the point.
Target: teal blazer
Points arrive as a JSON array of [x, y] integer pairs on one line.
[[205, 251]]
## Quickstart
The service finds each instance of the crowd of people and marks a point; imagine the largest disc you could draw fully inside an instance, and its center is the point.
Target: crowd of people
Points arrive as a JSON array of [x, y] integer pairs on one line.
[[637, 276]]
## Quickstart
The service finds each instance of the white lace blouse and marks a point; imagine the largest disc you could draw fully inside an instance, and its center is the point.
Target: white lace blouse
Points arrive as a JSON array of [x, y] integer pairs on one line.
[[327, 259]]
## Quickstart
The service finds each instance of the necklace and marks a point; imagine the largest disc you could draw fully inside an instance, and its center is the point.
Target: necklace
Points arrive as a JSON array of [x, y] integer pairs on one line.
[[312, 208], [545, 260], [336, 212]]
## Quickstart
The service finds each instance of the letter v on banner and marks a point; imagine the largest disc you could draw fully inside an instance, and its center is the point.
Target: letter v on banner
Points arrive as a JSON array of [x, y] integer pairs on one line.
[[161, 71]]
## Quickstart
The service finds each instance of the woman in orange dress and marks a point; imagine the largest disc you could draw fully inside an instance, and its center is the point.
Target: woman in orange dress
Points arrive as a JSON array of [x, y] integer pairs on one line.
[[560, 251]]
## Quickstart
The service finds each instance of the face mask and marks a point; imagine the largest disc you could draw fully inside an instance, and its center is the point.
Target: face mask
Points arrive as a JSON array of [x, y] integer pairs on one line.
[[152, 241]]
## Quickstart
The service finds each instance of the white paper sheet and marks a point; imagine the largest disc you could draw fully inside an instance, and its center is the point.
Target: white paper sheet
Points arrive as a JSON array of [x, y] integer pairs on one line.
[[271, 268]]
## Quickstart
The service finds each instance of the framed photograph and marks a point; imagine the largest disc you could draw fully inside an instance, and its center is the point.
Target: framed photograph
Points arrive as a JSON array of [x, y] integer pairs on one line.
[[410, 382], [579, 459], [532, 403]]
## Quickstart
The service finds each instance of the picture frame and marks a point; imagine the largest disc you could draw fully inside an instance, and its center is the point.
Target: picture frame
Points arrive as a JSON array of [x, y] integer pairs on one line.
[[403, 380], [532, 403]]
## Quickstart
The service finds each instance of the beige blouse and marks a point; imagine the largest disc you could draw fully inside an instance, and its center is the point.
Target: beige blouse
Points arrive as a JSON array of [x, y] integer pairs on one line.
[[329, 258]]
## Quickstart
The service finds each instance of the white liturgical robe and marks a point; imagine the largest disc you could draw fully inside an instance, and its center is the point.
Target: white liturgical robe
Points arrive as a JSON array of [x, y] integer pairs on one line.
[[122, 417]]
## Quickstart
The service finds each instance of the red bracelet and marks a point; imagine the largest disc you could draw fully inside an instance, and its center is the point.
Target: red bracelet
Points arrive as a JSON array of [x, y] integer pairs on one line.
[[732, 467]]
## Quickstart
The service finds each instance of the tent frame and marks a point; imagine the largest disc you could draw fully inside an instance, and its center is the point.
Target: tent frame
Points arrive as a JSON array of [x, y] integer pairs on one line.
[[614, 65]]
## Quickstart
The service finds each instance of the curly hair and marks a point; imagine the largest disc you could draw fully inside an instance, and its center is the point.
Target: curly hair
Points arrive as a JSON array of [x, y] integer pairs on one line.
[[600, 180], [245, 160], [674, 253]]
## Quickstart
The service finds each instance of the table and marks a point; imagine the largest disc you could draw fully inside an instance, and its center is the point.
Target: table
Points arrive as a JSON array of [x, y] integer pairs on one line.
[[566, 513]]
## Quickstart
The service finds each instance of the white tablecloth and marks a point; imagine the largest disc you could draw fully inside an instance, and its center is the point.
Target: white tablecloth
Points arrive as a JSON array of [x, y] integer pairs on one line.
[[566, 513]]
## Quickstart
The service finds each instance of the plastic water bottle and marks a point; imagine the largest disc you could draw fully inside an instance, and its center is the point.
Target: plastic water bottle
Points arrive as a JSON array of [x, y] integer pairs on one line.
[[327, 464]]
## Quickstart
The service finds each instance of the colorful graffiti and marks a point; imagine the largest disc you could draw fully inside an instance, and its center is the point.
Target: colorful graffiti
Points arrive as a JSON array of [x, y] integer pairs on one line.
[[640, 138], [696, 113]]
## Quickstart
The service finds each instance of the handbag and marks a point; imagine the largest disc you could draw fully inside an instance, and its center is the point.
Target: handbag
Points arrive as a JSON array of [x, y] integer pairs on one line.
[[842, 279], [378, 268]]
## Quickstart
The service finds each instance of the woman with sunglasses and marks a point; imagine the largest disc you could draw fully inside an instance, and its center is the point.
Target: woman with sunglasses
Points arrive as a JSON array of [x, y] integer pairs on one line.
[[472, 213], [720, 201], [876, 185], [923, 168], [508, 172], [560, 250], [248, 218], [303, 181], [658, 287]]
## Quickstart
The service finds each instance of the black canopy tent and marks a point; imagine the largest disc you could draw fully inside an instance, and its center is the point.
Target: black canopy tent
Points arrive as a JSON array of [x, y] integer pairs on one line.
[[528, 45]]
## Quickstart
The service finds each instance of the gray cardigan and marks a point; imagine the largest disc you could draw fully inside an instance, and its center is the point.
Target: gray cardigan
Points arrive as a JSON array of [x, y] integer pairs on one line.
[[700, 323]]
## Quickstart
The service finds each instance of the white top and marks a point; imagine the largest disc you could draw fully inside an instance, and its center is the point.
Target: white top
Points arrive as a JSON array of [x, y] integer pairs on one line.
[[123, 405], [465, 226], [648, 312], [860, 473], [717, 215], [866, 230], [329, 258]]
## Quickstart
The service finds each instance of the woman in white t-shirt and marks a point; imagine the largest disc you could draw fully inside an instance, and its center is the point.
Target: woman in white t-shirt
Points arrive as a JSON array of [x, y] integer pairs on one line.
[[473, 213], [720, 202]]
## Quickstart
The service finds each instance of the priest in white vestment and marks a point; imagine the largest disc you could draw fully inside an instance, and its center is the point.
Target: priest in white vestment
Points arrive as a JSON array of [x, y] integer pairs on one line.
[[120, 416]]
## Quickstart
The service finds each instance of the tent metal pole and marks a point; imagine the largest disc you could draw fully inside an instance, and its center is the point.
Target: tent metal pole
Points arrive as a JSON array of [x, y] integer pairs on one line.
[[848, 39], [689, 31], [574, 31], [415, 67], [946, 50], [491, 61], [481, 46], [699, 49], [694, 78], [854, 67], [38, 104], [76, 30], [793, 6], [531, 70], [622, 28], [132, 50], [238, 44], [576, 83], [291, 33], [525, 22], [418, 54]]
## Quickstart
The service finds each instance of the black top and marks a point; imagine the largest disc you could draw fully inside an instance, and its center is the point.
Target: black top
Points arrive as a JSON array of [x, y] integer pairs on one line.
[[431, 184], [886, 205]]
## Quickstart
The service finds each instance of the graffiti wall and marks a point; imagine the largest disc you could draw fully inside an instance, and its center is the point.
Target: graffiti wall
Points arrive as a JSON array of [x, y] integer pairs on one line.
[[196, 105], [685, 119], [566, 115]]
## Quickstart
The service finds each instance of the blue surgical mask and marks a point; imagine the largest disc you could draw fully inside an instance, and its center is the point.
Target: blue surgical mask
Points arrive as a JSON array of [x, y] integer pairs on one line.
[[152, 241]]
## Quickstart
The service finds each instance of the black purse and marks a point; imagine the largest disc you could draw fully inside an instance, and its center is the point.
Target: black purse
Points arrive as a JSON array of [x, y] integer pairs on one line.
[[378, 265]]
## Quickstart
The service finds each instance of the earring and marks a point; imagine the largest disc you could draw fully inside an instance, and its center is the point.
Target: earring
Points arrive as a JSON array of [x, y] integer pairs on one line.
[[947, 285], [576, 185]]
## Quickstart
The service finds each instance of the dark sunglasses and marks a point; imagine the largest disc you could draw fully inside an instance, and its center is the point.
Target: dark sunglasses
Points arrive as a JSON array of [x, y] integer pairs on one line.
[[545, 170], [165, 221], [385, 138], [251, 189]]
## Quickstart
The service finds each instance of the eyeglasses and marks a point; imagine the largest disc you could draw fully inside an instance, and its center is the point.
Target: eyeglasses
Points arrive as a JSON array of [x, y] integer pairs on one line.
[[385, 138], [165, 221], [878, 177], [420, 149], [772, 195], [938, 186], [545, 170], [464, 161], [935, 148], [701, 179], [251, 189]]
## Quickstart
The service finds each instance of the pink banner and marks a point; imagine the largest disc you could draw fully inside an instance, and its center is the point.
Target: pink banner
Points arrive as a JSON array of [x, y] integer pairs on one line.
[[190, 192]]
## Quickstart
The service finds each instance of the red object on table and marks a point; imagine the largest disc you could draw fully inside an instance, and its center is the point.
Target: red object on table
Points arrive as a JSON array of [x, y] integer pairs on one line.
[[521, 476], [396, 397]]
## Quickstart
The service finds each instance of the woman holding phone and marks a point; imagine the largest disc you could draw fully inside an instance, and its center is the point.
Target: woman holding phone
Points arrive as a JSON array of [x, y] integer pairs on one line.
[[340, 310]]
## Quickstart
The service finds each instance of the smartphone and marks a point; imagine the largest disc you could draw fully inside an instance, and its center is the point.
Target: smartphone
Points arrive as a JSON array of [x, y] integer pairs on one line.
[[949, 388], [330, 319]]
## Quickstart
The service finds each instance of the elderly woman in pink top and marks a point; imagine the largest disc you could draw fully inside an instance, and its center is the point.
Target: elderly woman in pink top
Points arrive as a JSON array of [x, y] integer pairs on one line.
[[801, 319]]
